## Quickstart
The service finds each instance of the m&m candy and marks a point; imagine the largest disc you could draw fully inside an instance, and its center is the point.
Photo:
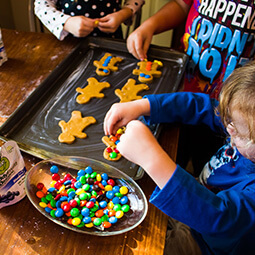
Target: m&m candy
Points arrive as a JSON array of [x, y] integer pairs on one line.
[[88, 200]]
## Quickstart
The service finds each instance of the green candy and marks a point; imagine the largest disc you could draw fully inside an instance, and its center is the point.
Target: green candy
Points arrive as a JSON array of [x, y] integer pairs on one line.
[[75, 212], [97, 222], [125, 208]]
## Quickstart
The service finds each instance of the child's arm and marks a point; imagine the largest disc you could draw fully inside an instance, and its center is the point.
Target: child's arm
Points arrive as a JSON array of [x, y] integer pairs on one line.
[[51, 18], [169, 16], [61, 24], [111, 22]]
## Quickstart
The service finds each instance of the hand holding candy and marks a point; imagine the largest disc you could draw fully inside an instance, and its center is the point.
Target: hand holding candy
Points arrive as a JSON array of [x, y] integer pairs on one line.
[[79, 26], [122, 113], [139, 41], [111, 22]]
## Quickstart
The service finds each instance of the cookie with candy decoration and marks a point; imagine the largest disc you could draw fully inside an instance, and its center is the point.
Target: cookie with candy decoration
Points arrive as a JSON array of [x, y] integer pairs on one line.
[[111, 153], [130, 90], [107, 64], [148, 70]]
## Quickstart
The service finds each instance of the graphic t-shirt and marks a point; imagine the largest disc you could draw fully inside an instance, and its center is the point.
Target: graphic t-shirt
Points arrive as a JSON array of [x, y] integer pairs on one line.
[[219, 37]]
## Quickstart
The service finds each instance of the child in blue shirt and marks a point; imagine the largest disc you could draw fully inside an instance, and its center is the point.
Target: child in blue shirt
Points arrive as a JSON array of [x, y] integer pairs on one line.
[[219, 208], [86, 17]]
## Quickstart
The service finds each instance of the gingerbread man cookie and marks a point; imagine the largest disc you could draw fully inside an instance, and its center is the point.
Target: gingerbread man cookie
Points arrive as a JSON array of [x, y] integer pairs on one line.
[[106, 64], [130, 90], [93, 89], [74, 127], [148, 70], [111, 153]]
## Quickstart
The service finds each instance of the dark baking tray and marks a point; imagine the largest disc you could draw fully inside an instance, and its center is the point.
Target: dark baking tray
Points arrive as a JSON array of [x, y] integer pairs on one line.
[[34, 125]]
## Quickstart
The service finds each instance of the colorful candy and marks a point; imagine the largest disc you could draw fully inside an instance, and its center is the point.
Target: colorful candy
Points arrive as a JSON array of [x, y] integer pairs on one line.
[[88, 200]]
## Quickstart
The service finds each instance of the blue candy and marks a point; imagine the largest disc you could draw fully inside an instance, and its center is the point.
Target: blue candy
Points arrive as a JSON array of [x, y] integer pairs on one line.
[[54, 169], [89, 170], [113, 219], [59, 212], [86, 220], [104, 176], [81, 172], [110, 194]]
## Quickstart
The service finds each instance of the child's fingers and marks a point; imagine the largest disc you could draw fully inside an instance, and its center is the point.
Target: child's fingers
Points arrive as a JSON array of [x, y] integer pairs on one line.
[[132, 49], [107, 124], [140, 50]]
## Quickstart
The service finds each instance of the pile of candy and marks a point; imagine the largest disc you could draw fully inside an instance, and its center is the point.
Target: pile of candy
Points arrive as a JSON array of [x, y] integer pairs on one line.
[[89, 200]]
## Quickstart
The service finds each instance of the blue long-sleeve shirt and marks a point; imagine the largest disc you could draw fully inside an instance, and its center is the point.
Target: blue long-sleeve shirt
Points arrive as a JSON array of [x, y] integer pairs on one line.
[[221, 212]]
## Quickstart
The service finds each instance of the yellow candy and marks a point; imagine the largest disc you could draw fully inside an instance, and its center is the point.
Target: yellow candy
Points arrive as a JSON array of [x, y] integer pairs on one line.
[[158, 62], [123, 190], [120, 131], [52, 183], [62, 188], [119, 214], [76, 221], [108, 187], [96, 22], [110, 205], [43, 205], [98, 177], [89, 225], [80, 191]]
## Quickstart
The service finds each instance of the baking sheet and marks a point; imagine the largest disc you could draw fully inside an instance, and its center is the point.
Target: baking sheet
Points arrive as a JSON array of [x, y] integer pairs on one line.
[[34, 125]]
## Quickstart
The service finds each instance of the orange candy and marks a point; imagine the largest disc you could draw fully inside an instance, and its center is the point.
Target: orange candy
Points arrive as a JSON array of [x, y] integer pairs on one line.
[[106, 224], [69, 221], [113, 139], [40, 194], [111, 213], [83, 203], [99, 213]]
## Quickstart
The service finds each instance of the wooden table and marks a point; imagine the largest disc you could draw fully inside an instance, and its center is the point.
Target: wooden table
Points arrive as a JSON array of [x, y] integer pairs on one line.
[[23, 230]]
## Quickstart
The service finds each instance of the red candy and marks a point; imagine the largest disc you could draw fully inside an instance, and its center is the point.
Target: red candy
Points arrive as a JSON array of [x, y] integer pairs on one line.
[[109, 149], [67, 207], [40, 186], [58, 196], [115, 150], [90, 204], [73, 203], [111, 182], [55, 177], [57, 185]]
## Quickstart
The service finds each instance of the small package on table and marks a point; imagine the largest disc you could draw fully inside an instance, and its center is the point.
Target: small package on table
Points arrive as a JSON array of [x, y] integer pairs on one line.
[[12, 174]]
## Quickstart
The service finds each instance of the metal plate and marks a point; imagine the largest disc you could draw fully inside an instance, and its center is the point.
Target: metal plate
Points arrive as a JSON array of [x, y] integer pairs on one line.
[[34, 125]]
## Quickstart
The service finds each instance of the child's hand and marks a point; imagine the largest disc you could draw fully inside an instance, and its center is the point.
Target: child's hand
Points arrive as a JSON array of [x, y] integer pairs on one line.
[[139, 146], [122, 113], [137, 143], [110, 23], [138, 42], [79, 26]]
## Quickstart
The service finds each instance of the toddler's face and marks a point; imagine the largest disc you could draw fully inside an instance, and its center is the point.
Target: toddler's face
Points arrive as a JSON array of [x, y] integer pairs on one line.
[[239, 132]]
